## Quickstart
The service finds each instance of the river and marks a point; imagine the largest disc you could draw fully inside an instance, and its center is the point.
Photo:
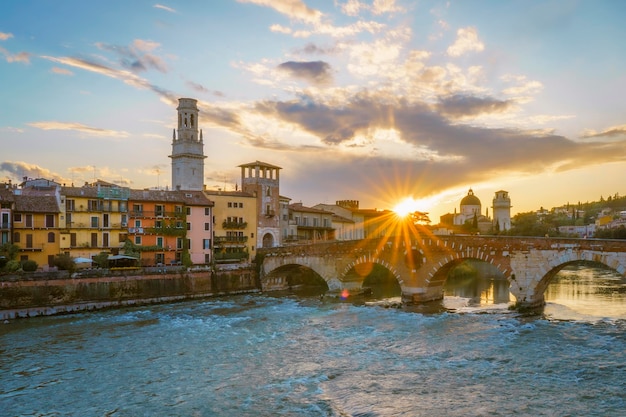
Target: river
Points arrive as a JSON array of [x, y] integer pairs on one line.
[[294, 355]]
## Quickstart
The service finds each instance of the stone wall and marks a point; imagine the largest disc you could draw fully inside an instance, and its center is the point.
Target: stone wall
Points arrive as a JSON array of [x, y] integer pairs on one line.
[[40, 294]]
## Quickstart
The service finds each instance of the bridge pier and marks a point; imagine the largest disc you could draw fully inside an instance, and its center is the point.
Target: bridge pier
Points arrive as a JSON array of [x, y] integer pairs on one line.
[[416, 295]]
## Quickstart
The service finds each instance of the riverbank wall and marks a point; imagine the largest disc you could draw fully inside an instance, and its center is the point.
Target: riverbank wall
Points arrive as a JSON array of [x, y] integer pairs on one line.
[[59, 292]]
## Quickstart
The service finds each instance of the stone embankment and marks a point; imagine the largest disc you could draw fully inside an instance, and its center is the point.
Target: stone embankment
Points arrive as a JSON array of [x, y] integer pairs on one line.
[[50, 293]]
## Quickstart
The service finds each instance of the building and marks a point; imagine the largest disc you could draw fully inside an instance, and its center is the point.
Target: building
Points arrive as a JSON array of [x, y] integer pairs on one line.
[[171, 227], [501, 211], [262, 180], [187, 149], [470, 212], [96, 219], [234, 226], [308, 224], [348, 222], [37, 217], [7, 206]]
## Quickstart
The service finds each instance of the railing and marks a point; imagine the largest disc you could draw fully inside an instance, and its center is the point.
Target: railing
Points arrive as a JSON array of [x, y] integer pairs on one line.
[[230, 239], [234, 225]]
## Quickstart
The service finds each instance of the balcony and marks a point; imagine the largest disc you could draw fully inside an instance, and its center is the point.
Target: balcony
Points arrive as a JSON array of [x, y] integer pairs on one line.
[[230, 257], [233, 225], [221, 240]]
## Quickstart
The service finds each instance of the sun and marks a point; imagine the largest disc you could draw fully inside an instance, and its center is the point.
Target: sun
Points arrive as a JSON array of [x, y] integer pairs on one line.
[[410, 205]]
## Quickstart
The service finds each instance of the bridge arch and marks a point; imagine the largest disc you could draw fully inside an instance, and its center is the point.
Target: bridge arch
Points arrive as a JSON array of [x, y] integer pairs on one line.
[[555, 265], [291, 275]]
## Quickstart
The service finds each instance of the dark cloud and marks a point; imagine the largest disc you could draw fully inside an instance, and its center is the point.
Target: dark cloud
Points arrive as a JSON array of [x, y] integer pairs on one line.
[[459, 106], [459, 153], [312, 49], [135, 59], [315, 72]]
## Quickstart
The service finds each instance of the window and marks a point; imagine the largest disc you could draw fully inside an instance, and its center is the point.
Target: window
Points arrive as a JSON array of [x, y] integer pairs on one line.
[[105, 240], [207, 211], [94, 221], [137, 240], [188, 211], [179, 243], [207, 226], [51, 237], [159, 258], [178, 209], [207, 258], [49, 220], [241, 220], [17, 217], [230, 204], [206, 243], [240, 205], [29, 241], [159, 242], [188, 226], [94, 240], [16, 237], [105, 220], [137, 223], [69, 205], [73, 240], [138, 209], [159, 210], [29, 220], [158, 224], [251, 235]]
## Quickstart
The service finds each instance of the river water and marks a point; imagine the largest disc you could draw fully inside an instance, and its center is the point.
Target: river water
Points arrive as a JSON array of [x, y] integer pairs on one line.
[[290, 355]]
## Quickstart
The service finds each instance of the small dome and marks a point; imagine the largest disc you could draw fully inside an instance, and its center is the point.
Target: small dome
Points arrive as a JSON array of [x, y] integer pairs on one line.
[[470, 199]]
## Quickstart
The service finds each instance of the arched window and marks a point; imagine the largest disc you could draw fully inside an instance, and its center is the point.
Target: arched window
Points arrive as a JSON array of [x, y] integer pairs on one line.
[[51, 237], [192, 120]]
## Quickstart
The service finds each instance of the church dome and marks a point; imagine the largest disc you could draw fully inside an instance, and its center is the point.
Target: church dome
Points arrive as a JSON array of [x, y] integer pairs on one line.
[[470, 199]]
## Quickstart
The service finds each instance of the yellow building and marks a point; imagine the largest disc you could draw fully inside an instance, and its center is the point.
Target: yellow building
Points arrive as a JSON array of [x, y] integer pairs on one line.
[[96, 219], [36, 220], [234, 226]]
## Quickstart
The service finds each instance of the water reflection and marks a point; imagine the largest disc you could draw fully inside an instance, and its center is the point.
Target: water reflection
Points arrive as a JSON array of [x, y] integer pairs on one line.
[[582, 291]]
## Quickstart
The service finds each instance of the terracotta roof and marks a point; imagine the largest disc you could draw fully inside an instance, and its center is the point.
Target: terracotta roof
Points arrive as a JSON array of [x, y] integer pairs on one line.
[[190, 198], [228, 193], [36, 204], [303, 209]]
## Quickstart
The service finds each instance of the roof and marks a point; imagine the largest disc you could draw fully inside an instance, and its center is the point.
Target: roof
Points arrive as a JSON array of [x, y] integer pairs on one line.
[[341, 219], [259, 164], [190, 198], [36, 204], [229, 193], [303, 209], [470, 199]]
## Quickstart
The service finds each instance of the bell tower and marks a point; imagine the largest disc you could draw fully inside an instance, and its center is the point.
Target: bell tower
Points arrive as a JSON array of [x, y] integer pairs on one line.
[[501, 211], [187, 148]]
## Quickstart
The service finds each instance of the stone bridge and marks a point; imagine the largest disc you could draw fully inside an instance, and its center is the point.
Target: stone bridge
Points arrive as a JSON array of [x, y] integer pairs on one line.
[[421, 264]]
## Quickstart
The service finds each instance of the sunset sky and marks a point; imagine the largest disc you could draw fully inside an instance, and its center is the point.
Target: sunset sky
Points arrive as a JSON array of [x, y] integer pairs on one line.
[[376, 100]]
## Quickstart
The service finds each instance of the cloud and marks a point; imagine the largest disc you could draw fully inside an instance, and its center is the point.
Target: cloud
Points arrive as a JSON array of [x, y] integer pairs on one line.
[[315, 72], [313, 49], [23, 57], [466, 41], [18, 170], [137, 56], [78, 127], [5, 36], [294, 9], [61, 71], [611, 132], [167, 9], [378, 7], [459, 106]]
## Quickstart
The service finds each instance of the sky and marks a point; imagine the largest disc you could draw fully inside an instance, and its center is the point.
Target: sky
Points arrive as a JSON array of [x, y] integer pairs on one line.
[[381, 101]]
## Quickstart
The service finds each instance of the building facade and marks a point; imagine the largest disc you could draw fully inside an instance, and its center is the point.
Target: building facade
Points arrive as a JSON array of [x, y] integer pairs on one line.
[[262, 180], [234, 226]]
